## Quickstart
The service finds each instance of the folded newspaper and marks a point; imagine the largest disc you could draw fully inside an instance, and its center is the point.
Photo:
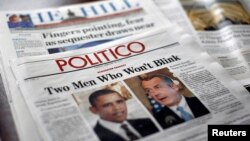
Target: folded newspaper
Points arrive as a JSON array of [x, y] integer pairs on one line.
[[147, 87]]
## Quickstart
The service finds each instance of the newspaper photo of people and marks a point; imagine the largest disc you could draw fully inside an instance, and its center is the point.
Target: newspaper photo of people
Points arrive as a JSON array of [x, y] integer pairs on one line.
[[215, 15], [169, 101], [21, 21], [114, 114]]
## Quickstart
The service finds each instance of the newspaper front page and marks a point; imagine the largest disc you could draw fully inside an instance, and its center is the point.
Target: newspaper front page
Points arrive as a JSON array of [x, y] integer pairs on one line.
[[50, 31], [223, 30], [142, 84]]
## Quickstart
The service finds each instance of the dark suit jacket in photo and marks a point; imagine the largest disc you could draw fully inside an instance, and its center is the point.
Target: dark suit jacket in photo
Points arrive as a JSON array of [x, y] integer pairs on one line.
[[143, 126], [167, 118]]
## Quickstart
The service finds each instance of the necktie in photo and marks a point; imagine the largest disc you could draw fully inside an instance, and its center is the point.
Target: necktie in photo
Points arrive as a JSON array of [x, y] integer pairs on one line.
[[129, 133], [185, 115]]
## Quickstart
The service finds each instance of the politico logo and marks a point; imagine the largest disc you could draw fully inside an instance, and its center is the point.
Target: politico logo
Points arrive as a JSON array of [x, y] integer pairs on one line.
[[103, 56]]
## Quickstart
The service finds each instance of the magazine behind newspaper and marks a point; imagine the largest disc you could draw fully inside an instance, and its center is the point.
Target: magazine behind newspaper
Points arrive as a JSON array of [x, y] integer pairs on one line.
[[222, 27], [48, 31], [131, 83]]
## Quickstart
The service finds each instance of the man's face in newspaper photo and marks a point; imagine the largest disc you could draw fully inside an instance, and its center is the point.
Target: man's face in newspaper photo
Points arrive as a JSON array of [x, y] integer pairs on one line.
[[163, 93], [14, 19], [110, 107]]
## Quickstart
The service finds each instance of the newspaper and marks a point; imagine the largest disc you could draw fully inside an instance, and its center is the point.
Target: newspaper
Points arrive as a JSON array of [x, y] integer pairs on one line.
[[131, 81], [50, 31], [177, 16], [222, 27]]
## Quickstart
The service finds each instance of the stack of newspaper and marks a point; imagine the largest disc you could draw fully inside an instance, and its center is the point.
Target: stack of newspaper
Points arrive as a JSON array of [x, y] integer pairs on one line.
[[125, 70]]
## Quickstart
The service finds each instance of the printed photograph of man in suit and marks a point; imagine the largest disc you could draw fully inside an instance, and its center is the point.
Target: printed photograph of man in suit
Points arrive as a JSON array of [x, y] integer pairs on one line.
[[176, 107], [113, 124]]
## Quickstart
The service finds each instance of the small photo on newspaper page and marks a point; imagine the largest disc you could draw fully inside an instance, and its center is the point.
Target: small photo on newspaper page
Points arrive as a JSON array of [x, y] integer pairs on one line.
[[214, 15], [166, 98], [20, 21], [114, 114]]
